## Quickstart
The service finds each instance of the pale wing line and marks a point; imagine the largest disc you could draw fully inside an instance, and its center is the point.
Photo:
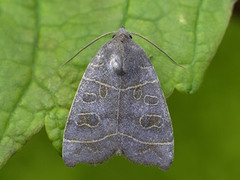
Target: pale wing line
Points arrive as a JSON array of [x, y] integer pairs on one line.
[[145, 67], [104, 84], [148, 143], [97, 65], [139, 85], [126, 135], [91, 141], [131, 87]]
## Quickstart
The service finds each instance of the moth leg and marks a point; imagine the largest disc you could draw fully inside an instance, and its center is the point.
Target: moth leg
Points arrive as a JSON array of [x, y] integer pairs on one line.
[[150, 56]]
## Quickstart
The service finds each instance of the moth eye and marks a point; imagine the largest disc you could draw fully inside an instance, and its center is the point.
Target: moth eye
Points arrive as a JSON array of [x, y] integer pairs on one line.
[[113, 36], [130, 36]]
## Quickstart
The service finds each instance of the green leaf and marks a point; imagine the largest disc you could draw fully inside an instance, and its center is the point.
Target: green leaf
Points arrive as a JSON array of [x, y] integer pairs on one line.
[[38, 36]]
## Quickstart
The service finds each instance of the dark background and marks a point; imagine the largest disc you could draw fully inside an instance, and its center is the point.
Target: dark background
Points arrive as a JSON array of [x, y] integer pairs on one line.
[[206, 130]]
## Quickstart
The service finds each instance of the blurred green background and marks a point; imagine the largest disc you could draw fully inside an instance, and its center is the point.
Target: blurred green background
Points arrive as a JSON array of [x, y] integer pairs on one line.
[[206, 130]]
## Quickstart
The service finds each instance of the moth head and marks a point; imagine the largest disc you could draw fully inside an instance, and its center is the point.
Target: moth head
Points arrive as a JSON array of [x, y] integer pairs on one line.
[[122, 35]]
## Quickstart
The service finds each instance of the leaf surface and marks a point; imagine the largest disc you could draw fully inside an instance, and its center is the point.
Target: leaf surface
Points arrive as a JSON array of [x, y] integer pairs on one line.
[[38, 36]]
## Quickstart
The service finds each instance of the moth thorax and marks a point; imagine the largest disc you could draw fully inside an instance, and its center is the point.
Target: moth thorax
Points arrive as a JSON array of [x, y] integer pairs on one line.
[[116, 64]]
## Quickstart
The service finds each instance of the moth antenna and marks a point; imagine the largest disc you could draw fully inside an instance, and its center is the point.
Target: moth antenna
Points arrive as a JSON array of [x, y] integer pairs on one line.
[[159, 49], [93, 41]]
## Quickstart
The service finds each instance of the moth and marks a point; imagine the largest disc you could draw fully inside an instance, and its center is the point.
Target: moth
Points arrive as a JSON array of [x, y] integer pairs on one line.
[[119, 108]]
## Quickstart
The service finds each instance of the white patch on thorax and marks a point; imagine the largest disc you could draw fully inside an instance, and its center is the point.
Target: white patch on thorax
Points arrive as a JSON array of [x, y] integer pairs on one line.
[[115, 62]]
